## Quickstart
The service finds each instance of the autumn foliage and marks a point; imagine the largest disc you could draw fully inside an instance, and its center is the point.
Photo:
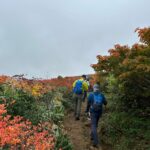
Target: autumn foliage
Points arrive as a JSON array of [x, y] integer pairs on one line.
[[28, 111], [18, 133], [126, 74], [3, 78], [131, 66], [66, 81], [61, 82]]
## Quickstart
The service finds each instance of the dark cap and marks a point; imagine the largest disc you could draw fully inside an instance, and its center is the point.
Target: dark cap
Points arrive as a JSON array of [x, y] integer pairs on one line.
[[84, 76]]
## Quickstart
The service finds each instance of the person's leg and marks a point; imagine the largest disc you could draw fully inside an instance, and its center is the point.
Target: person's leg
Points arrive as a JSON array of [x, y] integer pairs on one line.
[[75, 105], [84, 96], [91, 136], [79, 102], [97, 118], [94, 135]]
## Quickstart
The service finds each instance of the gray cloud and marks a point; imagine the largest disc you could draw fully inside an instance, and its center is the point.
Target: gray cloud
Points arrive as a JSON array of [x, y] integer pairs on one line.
[[47, 38]]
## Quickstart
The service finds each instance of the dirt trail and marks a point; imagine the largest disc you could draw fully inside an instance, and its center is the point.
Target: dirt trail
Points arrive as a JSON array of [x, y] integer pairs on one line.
[[79, 131]]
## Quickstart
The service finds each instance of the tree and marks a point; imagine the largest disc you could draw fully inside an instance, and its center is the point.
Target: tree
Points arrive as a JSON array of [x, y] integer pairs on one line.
[[131, 67]]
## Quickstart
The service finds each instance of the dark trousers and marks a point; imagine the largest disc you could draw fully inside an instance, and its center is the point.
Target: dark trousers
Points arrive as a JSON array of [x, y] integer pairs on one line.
[[94, 124], [84, 96]]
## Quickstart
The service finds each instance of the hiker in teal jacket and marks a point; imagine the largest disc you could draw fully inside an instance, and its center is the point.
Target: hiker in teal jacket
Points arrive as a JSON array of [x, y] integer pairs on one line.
[[96, 100]]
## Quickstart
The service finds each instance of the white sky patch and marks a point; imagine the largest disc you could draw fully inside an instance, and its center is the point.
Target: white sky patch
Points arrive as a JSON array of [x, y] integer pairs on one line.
[[47, 38]]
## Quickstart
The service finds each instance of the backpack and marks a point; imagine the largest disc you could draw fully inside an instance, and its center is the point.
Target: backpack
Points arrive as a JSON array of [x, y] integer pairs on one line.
[[78, 87], [98, 102]]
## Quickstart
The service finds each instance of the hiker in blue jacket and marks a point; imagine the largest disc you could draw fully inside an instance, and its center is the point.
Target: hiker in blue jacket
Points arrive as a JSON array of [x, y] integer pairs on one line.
[[96, 100]]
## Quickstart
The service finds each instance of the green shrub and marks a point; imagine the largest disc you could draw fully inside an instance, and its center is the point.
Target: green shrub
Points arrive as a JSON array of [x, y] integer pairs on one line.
[[122, 128], [19, 102], [62, 141]]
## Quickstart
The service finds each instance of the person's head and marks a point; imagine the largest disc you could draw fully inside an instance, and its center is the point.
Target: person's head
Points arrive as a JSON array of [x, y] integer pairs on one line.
[[96, 88], [84, 77], [87, 78]]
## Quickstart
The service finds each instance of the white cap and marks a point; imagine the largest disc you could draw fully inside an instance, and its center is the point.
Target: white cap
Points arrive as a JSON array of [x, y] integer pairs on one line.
[[96, 88]]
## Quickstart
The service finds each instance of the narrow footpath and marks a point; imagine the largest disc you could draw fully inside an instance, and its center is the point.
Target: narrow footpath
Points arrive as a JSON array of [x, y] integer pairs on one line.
[[79, 131]]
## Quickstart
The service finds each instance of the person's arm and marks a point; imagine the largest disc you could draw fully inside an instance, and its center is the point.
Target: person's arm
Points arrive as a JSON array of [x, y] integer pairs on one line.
[[104, 100], [85, 86]]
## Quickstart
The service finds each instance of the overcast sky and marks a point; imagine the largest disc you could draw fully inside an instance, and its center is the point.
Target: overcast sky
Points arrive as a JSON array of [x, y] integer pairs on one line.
[[47, 38]]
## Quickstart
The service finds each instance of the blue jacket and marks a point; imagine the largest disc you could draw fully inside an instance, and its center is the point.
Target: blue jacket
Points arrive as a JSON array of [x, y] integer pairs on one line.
[[91, 101]]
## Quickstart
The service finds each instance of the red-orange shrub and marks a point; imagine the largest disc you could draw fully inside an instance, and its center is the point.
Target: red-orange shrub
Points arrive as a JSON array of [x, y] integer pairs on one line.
[[18, 133]]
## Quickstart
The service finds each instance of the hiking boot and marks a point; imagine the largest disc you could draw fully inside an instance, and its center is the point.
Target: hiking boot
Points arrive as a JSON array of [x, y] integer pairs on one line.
[[92, 139], [96, 145], [77, 118]]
